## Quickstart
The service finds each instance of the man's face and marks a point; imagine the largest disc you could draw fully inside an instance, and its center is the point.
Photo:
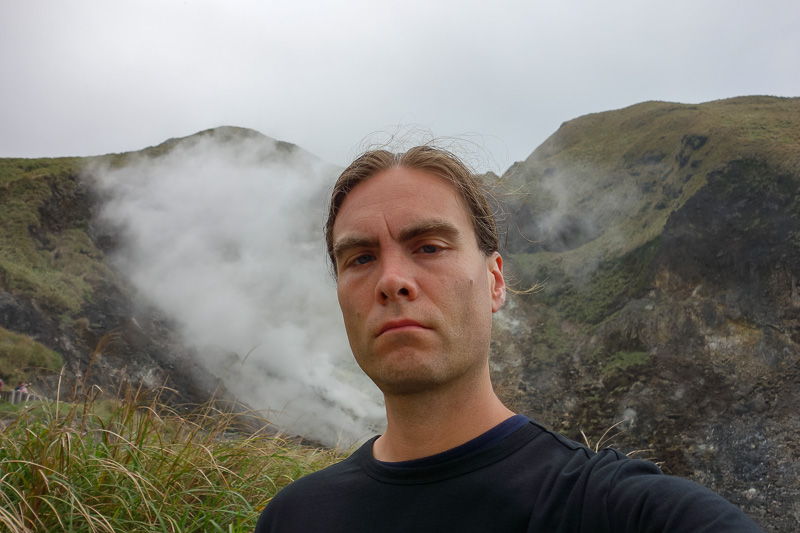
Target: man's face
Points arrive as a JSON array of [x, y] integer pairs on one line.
[[416, 293]]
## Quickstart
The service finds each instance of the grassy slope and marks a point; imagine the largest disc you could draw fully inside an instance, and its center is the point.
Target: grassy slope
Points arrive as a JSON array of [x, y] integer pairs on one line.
[[54, 263], [20, 356], [130, 465], [640, 164]]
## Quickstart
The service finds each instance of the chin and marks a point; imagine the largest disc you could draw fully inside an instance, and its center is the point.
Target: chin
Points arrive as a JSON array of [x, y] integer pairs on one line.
[[406, 381], [407, 387]]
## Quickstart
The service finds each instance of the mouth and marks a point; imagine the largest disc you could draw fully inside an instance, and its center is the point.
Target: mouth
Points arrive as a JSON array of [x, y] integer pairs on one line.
[[400, 325]]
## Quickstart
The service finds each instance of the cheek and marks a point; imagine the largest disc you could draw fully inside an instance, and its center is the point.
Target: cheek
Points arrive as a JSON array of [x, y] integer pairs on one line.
[[472, 291], [352, 311], [465, 285], [344, 293]]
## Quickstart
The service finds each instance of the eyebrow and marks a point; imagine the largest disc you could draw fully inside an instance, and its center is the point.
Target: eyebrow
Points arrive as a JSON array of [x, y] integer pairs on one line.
[[419, 229], [345, 244], [424, 227]]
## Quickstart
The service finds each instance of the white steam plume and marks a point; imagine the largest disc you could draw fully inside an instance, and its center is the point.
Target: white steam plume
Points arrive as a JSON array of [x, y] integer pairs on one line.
[[224, 234]]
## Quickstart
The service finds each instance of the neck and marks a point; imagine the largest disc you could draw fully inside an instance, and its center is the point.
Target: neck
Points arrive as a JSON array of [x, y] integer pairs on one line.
[[424, 424]]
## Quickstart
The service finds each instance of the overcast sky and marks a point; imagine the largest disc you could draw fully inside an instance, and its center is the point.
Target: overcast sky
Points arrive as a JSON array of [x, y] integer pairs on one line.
[[93, 77]]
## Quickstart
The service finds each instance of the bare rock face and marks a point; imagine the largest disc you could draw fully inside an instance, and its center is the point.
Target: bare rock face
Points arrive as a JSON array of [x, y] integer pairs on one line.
[[679, 320]]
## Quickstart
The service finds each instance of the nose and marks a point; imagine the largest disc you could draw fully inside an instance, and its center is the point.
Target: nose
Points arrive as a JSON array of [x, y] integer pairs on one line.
[[396, 280]]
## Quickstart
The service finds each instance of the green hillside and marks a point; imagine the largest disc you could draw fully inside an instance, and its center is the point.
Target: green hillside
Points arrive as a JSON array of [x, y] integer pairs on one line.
[[45, 251], [595, 197]]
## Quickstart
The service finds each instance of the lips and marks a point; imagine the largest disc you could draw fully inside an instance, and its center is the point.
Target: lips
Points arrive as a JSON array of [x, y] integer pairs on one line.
[[403, 324]]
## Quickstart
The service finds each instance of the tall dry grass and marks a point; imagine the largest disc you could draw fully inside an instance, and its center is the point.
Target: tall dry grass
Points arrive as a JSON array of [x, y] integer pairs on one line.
[[134, 464]]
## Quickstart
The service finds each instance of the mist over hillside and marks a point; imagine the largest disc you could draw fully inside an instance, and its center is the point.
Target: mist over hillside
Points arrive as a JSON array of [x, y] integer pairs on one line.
[[223, 234]]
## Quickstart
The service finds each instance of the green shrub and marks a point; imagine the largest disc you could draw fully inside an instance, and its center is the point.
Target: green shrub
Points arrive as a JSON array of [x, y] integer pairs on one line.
[[624, 360], [21, 357]]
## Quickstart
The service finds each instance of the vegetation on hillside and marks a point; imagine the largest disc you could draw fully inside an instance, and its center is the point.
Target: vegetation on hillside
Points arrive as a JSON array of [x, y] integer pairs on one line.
[[658, 155], [45, 251], [622, 216], [22, 357], [589, 206]]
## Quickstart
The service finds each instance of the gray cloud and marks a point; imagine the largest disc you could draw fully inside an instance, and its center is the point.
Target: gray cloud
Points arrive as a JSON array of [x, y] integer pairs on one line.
[[87, 77]]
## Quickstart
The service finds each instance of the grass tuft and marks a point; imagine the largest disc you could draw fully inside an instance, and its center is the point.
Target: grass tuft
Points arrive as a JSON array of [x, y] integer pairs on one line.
[[135, 464]]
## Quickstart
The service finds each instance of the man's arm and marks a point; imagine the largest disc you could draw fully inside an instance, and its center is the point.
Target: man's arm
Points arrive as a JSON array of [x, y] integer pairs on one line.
[[643, 500]]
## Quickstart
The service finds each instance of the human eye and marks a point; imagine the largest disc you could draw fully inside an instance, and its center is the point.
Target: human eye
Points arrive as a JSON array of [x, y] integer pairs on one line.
[[429, 248], [362, 259]]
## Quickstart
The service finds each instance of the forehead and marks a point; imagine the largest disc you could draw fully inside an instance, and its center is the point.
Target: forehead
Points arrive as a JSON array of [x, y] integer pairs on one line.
[[400, 196]]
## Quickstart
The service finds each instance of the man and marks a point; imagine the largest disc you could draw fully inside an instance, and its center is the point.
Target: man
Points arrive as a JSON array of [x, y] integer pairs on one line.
[[413, 245]]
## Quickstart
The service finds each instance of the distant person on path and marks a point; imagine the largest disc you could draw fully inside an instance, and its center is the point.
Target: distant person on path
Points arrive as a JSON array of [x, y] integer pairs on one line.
[[22, 387], [413, 244]]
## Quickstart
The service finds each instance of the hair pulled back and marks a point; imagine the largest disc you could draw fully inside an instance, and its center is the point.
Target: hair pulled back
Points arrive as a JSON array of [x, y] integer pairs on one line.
[[437, 161]]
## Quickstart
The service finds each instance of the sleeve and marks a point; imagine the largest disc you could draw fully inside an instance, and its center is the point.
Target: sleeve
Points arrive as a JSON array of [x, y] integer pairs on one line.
[[640, 498]]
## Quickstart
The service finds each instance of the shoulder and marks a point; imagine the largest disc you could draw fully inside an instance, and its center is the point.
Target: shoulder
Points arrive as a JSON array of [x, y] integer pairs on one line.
[[321, 482], [572, 459], [573, 473], [317, 494]]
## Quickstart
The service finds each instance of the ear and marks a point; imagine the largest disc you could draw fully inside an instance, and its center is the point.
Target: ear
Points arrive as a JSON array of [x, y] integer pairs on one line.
[[497, 283]]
